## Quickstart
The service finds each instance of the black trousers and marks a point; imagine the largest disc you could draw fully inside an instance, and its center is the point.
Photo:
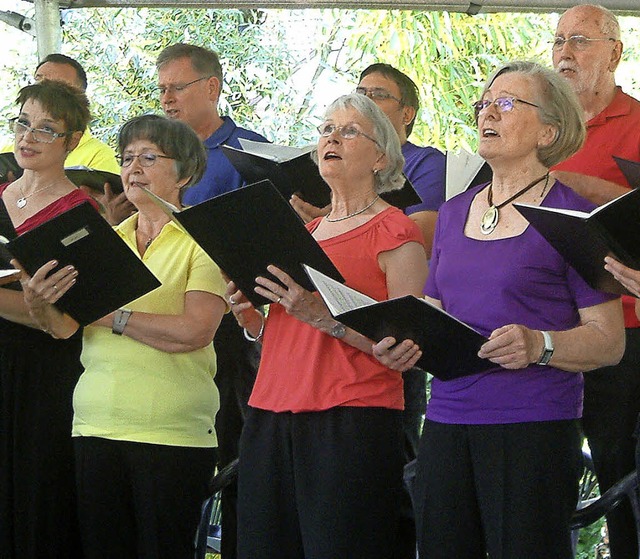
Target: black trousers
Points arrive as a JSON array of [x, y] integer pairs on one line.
[[319, 485], [611, 408], [140, 501], [237, 366], [502, 491]]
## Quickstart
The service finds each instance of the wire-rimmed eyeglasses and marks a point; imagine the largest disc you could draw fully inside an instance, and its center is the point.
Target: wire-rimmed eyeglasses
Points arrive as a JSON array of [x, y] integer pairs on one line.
[[503, 104], [145, 159], [348, 131], [577, 42]]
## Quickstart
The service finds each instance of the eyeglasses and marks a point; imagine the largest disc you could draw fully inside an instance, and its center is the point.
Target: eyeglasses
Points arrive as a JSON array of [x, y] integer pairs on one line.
[[377, 94], [40, 135], [145, 159], [577, 42], [177, 88], [348, 132], [503, 104]]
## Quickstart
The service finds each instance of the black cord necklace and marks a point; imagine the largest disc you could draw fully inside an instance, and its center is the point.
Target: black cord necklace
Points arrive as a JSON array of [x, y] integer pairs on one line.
[[491, 216]]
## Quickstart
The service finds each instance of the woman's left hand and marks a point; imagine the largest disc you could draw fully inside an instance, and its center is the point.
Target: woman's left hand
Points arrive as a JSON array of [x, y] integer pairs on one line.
[[513, 346], [297, 301], [45, 288]]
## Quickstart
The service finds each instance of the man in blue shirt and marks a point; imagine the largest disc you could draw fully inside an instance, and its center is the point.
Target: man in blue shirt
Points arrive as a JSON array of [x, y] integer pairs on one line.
[[189, 82]]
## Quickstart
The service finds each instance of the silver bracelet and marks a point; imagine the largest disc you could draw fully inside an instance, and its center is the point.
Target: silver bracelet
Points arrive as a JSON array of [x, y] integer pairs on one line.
[[120, 319], [259, 336]]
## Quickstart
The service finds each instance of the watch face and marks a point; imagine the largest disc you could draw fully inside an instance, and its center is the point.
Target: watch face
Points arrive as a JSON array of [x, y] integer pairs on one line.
[[339, 331]]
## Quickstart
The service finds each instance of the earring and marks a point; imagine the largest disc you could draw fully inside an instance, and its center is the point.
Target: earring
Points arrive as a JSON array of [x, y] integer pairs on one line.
[[376, 171]]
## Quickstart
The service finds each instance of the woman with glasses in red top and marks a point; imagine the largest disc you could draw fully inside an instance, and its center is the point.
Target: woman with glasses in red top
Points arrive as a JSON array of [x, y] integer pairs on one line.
[[37, 372]]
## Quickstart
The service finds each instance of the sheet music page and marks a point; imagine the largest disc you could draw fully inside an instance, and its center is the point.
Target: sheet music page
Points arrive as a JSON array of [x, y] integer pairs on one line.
[[338, 297], [274, 152]]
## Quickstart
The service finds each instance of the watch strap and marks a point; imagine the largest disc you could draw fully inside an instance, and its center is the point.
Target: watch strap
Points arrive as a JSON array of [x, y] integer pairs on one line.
[[120, 319], [547, 352]]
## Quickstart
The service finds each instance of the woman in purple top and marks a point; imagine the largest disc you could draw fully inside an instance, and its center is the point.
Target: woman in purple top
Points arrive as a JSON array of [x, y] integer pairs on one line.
[[500, 458]]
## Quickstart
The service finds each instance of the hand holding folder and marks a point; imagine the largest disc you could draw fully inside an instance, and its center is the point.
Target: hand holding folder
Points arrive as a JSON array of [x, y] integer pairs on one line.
[[449, 347], [110, 274], [245, 230]]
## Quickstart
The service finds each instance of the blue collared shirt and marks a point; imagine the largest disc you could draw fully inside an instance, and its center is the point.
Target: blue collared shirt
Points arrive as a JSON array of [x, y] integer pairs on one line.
[[220, 175]]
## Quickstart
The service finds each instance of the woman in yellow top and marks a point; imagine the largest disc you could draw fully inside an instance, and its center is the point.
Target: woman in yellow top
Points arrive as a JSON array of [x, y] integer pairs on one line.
[[145, 406]]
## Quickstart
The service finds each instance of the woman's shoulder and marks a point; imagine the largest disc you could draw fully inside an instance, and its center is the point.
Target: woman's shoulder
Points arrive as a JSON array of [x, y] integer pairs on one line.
[[393, 223], [562, 196]]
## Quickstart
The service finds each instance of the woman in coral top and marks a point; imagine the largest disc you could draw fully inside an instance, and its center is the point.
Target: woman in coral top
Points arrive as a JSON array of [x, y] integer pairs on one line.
[[320, 470], [38, 373]]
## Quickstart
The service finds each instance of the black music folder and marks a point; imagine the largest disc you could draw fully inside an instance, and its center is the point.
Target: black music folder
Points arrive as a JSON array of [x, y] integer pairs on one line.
[[630, 170], [110, 274], [247, 229], [449, 346], [79, 175], [94, 178], [292, 171], [584, 239]]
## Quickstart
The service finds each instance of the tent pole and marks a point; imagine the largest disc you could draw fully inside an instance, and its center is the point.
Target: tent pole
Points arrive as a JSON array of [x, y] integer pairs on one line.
[[48, 27]]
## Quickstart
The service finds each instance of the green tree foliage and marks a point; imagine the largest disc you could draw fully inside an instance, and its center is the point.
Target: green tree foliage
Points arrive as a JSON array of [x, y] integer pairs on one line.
[[283, 67]]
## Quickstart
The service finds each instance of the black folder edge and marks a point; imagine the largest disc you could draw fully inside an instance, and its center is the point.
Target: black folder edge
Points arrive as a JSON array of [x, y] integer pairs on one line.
[[22, 246], [630, 170], [240, 276], [80, 176], [584, 255], [403, 318], [313, 190]]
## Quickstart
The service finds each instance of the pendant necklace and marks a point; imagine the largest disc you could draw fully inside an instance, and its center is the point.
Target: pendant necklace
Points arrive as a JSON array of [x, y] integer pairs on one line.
[[22, 201], [354, 213], [491, 216]]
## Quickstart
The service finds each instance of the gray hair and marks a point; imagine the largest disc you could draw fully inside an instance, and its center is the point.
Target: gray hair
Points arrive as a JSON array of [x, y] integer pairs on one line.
[[391, 177], [175, 138], [558, 106]]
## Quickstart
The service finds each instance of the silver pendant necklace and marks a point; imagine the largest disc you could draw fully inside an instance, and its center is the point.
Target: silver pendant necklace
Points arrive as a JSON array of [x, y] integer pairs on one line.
[[491, 216], [22, 201]]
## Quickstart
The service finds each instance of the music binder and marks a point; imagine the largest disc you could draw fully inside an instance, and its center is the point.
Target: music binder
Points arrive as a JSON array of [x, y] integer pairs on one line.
[[584, 239], [292, 171], [78, 175], [464, 170], [630, 170], [94, 178], [247, 229], [449, 346], [110, 274]]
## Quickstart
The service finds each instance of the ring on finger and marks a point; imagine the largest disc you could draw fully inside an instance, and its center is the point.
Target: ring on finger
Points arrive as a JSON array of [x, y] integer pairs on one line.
[[55, 287], [279, 299]]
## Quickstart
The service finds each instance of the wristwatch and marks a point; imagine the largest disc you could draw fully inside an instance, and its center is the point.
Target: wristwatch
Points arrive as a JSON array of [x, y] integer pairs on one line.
[[338, 331], [120, 319], [547, 352]]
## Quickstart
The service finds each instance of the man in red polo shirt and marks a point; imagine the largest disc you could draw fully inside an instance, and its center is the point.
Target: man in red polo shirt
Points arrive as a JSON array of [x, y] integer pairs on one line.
[[586, 51]]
